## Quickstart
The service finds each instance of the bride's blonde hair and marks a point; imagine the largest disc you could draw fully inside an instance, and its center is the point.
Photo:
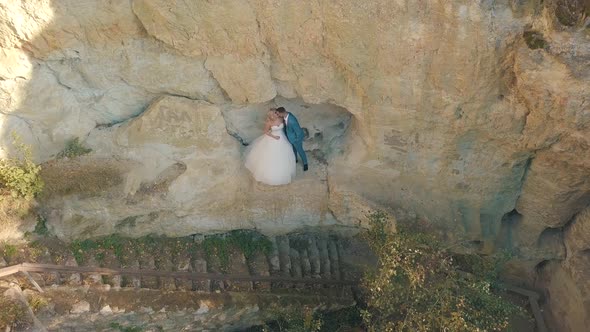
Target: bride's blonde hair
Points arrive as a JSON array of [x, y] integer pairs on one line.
[[270, 115]]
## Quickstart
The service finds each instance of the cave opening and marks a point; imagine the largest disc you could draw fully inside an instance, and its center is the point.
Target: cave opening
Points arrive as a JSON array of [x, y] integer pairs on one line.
[[325, 125], [508, 223]]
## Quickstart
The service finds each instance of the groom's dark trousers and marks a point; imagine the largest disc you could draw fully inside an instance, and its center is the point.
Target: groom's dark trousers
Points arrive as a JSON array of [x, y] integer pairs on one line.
[[295, 135], [298, 149]]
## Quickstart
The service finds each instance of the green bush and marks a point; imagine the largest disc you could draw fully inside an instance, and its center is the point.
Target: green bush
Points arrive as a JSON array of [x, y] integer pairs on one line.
[[418, 287], [18, 174], [9, 250], [73, 148], [41, 226], [293, 319], [250, 242]]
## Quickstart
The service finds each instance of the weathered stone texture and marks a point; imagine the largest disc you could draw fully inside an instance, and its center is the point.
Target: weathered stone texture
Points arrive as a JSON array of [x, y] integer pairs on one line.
[[445, 110]]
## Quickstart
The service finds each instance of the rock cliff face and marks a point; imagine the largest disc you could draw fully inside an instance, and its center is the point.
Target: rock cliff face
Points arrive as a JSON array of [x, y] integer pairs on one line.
[[474, 115]]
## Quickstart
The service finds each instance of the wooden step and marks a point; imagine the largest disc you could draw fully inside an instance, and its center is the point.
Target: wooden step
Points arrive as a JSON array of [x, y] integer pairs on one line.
[[284, 260], [111, 260], [334, 259], [314, 257], [274, 262], [284, 255], [91, 279], [71, 279], [131, 281], [147, 262], [325, 268], [166, 264], [199, 265], [258, 266], [305, 264], [183, 264], [238, 265]]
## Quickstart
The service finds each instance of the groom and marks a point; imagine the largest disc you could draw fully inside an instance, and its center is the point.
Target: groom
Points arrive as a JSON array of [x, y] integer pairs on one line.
[[294, 133]]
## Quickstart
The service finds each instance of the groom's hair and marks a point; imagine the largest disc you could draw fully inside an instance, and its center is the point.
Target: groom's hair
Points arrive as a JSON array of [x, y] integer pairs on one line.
[[281, 110]]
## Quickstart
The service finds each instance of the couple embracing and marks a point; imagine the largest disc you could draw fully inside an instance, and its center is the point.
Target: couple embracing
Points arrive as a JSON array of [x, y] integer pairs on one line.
[[272, 157]]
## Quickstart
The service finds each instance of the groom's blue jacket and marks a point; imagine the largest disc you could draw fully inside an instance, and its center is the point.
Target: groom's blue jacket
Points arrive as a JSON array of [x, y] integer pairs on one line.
[[293, 129]]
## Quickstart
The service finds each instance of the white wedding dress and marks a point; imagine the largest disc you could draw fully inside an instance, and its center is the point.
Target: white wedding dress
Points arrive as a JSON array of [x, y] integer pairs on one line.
[[271, 161]]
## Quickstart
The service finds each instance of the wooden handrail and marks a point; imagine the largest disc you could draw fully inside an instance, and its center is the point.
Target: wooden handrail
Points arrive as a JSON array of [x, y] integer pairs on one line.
[[533, 298], [33, 267]]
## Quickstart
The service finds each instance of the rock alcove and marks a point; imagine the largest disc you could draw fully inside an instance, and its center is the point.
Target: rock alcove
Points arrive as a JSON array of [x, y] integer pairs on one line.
[[196, 181]]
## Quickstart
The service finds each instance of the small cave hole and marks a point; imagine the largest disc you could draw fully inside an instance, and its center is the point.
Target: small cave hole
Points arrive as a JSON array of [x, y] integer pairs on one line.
[[508, 223], [305, 133], [325, 126], [541, 266], [550, 235], [535, 40]]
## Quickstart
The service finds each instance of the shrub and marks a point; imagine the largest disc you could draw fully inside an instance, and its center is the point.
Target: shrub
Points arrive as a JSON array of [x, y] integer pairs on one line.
[[19, 174], [293, 319], [250, 242], [12, 315], [73, 148], [41, 226], [37, 302], [9, 250], [418, 287]]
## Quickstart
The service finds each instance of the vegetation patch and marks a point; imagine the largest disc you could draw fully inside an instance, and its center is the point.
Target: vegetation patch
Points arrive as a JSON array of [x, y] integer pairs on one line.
[[293, 319], [217, 246], [246, 241], [305, 319], [19, 175], [80, 248], [37, 302], [147, 243], [73, 149], [340, 320], [572, 12], [15, 215], [97, 247], [76, 177], [419, 286], [13, 315], [9, 250], [41, 227], [250, 242]]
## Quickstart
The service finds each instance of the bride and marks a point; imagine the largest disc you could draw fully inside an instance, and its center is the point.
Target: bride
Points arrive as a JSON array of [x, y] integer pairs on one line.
[[270, 158]]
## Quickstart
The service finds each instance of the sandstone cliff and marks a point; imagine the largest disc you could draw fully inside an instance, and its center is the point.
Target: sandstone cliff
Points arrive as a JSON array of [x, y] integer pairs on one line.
[[473, 115]]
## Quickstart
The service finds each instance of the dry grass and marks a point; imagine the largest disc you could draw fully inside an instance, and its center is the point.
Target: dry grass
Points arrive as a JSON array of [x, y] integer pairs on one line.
[[13, 315], [14, 207], [16, 216], [84, 177]]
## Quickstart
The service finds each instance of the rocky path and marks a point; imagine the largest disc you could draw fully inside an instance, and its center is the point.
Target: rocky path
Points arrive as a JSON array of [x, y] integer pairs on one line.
[[83, 301]]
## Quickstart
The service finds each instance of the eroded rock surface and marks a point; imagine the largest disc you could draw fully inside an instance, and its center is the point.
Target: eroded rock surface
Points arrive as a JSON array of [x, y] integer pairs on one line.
[[472, 115]]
